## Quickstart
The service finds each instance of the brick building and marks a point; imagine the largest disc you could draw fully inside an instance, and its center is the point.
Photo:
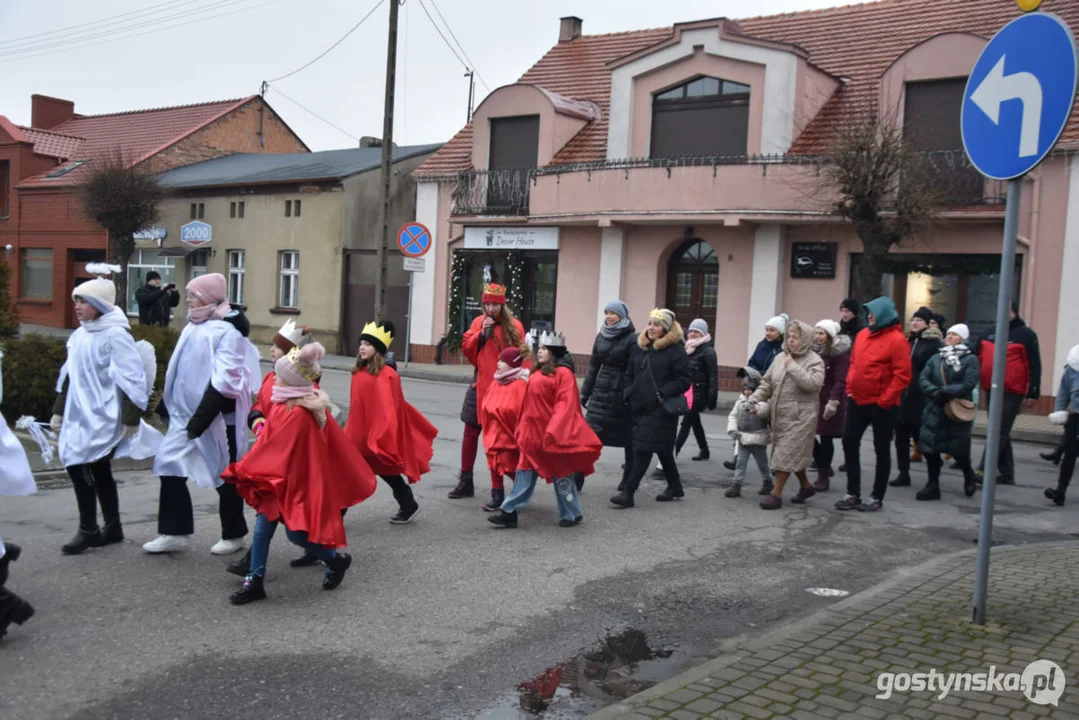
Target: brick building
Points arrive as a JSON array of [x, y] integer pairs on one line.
[[47, 236]]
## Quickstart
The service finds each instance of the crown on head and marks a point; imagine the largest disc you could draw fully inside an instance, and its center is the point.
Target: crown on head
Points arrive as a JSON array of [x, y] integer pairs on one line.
[[308, 372], [552, 339], [292, 332], [378, 332], [494, 293]]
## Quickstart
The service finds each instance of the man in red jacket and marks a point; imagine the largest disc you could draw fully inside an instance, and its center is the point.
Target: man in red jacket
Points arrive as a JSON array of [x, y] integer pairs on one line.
[[880, 371]]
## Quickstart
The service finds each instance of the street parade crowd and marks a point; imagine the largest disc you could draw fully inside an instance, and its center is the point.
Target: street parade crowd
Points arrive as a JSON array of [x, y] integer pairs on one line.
[[804, 388]]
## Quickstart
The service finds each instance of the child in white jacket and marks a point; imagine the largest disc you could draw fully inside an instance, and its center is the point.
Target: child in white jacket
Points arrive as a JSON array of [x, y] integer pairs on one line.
[[752, 433]]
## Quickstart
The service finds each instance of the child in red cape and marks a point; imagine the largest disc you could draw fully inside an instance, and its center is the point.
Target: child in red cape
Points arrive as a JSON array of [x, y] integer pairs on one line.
[[393, 437], [302, 471], [554, 439], [490, 333], [499, 414]]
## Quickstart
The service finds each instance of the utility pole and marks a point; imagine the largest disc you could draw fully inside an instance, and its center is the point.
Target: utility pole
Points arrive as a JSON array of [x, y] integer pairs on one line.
[[471, 75], [387, 165]]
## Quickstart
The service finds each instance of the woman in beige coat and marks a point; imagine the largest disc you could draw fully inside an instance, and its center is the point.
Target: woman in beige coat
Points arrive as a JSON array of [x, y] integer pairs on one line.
[[790, 396]]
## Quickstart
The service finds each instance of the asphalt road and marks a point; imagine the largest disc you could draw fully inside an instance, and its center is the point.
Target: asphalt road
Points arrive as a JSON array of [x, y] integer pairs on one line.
[[447, 617]]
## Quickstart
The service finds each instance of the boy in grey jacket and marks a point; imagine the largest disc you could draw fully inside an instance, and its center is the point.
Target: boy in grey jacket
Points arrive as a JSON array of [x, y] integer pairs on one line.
[[752, 433]]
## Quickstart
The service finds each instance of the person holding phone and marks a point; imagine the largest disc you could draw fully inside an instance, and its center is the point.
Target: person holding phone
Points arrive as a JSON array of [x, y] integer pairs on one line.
[[156, 300]]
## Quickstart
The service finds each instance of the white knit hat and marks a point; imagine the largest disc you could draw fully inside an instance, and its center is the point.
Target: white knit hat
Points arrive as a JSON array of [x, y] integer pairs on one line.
[[779, 322], [961, 330], [99, 292], [829, 326]]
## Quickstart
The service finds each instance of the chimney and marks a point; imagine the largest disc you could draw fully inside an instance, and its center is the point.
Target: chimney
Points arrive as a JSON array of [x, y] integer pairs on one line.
[[48, 112], [569, 28], [369, 142]]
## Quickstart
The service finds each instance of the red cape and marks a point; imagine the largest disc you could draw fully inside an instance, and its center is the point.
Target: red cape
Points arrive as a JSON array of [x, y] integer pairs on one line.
[[498, 416], [552, 434], [393, 437], [303, 475], [485, 359]]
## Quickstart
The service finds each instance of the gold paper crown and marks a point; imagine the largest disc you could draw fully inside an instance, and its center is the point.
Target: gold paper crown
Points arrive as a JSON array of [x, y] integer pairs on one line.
[[378, 332], [657, 314], [493, 291], [308, 373]]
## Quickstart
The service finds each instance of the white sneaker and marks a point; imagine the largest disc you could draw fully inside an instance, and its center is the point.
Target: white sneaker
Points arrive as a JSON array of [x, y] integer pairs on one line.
[[167, 544], [227, 547]]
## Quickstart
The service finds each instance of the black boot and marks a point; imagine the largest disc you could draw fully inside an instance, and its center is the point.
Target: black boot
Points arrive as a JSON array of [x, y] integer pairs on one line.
[[729, 464], [578, 480], [504, 519], [1056, 495], [305, 560], [465, 488], [105, 488], [112, 533], [970, 482], [901, 480], [337, 568], [702, 455], [1054, 457], [671, 493], [931, 491], [498, 496], [242, 566], [249, 592], [89, 534], [13, 609], [622, 500], [85, 538], [11, 554]]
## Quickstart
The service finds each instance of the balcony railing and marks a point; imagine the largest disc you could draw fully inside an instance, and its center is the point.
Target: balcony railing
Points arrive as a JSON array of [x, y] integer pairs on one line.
[[493, 192]]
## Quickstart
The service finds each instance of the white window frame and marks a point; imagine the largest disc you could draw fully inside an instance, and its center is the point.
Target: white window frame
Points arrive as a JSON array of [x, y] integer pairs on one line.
[[288, 279], [41, 258], [142, 261], [237, 276]]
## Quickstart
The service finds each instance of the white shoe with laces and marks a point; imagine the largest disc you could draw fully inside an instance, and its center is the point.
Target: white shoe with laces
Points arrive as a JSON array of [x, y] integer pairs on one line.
[[167, 544], [227, 547]]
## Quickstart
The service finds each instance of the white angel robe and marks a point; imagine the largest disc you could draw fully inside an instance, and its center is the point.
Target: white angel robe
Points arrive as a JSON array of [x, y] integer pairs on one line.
[[102, 362], [16, 478], [212, 352]]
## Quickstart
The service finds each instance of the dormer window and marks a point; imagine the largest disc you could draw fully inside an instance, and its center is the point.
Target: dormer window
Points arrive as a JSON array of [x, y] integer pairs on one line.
[[704, 117]]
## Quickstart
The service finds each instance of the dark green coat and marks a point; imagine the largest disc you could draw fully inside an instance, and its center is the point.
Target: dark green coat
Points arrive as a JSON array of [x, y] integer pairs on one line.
[[939, 434]]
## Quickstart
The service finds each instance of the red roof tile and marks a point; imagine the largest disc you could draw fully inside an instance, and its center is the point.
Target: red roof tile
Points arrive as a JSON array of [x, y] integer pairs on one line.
[[857, 42], [51, 143], [133, 136]]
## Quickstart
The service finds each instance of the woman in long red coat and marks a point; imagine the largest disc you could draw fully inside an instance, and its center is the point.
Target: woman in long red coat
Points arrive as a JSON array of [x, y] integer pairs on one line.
[[501, 409], [302, 472], [491, 333], [395, 439], [554, 439]]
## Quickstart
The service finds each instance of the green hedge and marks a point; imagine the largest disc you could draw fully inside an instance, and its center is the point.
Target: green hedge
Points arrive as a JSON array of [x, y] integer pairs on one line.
[[32, 364]]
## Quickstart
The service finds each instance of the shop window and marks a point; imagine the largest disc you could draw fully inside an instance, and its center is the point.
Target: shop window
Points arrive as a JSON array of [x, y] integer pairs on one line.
[[931, 124], [37, 273], [288, 279], [237, 276], [5, 188], [142, 262], [705, 117]]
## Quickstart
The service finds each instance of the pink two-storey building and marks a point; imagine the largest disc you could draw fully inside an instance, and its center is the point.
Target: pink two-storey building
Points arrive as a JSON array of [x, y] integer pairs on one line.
[[680, 167]]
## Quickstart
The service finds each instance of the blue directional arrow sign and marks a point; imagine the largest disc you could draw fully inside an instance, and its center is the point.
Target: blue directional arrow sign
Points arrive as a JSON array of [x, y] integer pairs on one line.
[[1019, 95], [414, 239]]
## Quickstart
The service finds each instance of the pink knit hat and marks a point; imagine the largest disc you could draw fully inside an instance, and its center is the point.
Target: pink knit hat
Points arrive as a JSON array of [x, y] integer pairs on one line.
[[210, 289], [300, 367]]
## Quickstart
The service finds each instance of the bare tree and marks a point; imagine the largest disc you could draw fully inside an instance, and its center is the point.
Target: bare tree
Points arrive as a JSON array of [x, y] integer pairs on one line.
[[122, 199], [884, 187]]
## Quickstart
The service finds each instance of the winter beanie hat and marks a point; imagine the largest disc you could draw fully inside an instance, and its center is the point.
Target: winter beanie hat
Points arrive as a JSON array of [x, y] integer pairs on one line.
[[663, 316], [829, 326], [617, 307], [512, 356], [211, 289], [153, 275], [779, 323], [851, 304], [961, 330], [300, 367], [924, 313], [699, 325], [99, 292], [940, 321]]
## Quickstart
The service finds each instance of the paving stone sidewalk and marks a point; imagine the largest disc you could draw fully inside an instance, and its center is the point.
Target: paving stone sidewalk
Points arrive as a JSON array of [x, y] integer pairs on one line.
[[827, 665]]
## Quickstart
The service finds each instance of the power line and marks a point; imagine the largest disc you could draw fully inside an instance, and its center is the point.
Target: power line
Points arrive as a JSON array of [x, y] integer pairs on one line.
[[64, 30], [441, 35], [331, 47], [471, 64], [124, 33], [316, 115]]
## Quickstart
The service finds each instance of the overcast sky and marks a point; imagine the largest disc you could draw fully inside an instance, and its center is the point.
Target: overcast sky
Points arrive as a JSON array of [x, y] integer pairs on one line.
[[171, 52]]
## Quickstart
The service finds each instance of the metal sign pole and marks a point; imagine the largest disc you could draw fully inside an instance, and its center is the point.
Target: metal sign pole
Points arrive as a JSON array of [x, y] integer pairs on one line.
[[408, 320], [996, 398]]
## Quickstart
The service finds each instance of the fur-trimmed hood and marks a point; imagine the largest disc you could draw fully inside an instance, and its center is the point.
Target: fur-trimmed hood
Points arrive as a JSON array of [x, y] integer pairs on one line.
[[930, 333], [674, 335], [841, 344]]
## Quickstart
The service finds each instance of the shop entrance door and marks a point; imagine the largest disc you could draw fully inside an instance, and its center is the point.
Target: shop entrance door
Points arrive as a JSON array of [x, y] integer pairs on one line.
[[693, 283]]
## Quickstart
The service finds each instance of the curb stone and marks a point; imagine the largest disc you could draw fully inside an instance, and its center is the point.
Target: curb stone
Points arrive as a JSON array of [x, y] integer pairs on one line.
[[622, 708]]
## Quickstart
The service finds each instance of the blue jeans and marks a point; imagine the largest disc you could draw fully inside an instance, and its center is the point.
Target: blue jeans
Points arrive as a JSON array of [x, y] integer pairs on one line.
[[524, 484], [260, 545]]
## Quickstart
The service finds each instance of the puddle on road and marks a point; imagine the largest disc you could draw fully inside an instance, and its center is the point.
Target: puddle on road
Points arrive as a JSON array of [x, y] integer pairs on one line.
[[622, 665]]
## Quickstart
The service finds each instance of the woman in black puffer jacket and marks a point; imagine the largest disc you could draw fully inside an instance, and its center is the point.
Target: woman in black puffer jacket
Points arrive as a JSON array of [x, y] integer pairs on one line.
[[602, 393], [705, 372]]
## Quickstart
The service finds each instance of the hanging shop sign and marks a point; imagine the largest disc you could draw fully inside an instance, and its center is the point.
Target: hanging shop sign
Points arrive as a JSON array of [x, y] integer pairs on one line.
[[518, 238], [196, 234], [814, 260]]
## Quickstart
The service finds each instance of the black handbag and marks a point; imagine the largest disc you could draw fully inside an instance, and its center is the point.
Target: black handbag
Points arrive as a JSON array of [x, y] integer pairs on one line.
[[676, 406]]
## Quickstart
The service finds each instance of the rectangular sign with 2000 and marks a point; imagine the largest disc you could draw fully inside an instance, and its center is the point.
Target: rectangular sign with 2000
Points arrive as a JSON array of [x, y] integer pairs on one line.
[[196, 233]]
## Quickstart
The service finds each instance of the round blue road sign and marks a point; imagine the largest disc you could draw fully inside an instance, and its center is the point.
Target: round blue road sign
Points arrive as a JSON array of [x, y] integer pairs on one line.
[[1019, 95], [414, 239]]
